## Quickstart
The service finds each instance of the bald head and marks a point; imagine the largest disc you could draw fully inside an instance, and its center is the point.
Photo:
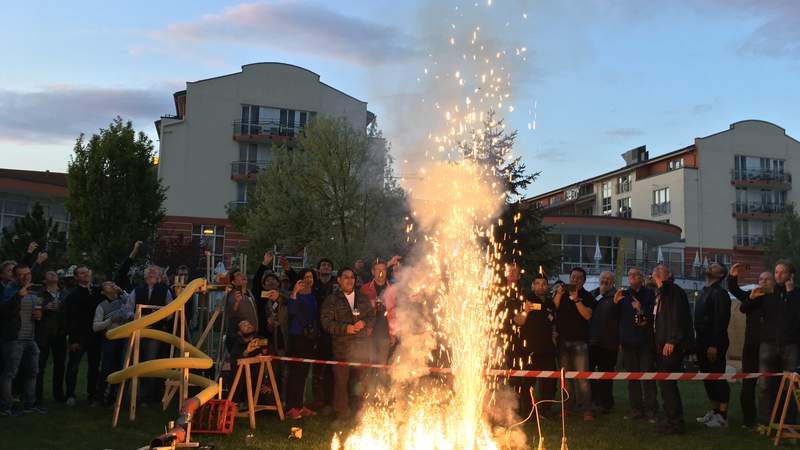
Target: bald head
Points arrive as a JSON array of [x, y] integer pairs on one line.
[[766, 281], [606, 282], [661, 273]]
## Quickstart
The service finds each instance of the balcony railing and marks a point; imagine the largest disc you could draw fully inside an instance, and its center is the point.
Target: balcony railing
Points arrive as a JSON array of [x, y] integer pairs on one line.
[[751, 240], [660, 209], [760, 176], [758, 208], [247, 169], [265, 130]]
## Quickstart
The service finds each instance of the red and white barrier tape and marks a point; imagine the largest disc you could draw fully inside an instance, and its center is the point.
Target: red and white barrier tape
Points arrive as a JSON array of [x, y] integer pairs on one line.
[[643, 376]]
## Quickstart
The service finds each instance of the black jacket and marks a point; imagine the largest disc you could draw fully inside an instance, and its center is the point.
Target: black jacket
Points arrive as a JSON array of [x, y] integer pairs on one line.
[[752, 311], [571, 326], [712, 314], [80, 306], [158, 297], [536, 333], [53, 321], [673, 320], [337, 315], [781, 316], [604, 324], [10, 303]]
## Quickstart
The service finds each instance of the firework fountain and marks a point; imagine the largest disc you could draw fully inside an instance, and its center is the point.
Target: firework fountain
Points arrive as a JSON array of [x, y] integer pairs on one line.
[[457, 274]]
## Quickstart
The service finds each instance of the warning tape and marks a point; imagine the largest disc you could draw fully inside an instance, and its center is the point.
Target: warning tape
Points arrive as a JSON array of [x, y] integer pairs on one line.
[[641, 376]]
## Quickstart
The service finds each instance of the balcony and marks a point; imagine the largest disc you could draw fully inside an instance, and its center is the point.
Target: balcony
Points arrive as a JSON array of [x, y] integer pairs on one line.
[[265, 131], [660, 209], [757, 210], [247, 170], [235, 205], [750, 241], [761, 178]]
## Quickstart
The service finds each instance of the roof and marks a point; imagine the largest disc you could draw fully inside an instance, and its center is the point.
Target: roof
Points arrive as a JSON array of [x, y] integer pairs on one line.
[[33, 176], [614, 172], [653, 232]]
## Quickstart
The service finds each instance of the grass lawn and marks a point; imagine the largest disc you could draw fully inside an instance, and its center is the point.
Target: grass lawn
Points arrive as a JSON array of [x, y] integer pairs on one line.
[[84, 427]]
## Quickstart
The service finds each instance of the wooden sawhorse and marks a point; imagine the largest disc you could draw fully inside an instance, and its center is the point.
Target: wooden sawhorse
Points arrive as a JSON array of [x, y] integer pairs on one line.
[[253, 395], [789, 391]]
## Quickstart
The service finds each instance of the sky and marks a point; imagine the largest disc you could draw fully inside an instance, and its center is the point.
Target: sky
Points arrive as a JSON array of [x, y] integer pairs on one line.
[[599, 76]]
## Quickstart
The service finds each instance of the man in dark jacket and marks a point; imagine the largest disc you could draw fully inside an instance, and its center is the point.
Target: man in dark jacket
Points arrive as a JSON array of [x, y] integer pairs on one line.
[[535, 318], [780, 334], [51, 336], [573, 312], [712, 313], [322, 381], [673, 338], [348, 316], [80, 306], [638, 344], [604, 340], [751, 308]]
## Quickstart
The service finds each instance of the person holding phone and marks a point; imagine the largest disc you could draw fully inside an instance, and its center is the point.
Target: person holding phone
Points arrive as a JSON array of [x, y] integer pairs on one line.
[[51, 336], [574, 306], [303, 335], [604, 340], [751, 308], [19, 350], [780, 335]]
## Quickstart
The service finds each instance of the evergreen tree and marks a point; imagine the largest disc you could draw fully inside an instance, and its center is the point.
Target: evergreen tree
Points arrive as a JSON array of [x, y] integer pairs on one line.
[[33, 227], [115, 195], [520, 228]]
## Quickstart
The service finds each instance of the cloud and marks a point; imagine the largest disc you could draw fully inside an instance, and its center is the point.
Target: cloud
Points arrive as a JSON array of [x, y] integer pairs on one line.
[[624, 132], [294, 26], [59, 113]]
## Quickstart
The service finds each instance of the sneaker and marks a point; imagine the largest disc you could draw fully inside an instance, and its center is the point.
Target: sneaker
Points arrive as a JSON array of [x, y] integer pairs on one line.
[[717, 421], [651, 417], [71, 401], [35, 409], [10, 412], [306, 412], [588, 416], [709, 414], [294, 414]]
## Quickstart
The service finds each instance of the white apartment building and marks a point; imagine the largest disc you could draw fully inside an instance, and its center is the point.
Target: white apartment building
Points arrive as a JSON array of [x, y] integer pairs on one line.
[[222, 134], [724, 192]]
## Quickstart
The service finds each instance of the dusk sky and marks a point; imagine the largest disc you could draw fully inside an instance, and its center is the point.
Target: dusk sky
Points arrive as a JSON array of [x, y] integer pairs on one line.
[[602, 76]]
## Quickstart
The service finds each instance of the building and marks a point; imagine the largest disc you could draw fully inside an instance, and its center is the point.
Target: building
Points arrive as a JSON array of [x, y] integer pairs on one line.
[[222, 135], [21, 189], [725, 192]]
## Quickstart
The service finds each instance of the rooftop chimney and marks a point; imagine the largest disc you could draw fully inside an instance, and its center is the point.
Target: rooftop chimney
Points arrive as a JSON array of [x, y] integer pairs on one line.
[[636, 155]]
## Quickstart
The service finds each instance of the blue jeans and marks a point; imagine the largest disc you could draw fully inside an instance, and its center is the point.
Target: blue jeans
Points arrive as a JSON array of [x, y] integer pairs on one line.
[[773, 358], [574, 356], [19, 354]]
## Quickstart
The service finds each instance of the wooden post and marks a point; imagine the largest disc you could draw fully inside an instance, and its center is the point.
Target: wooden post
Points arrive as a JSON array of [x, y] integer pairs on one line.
[[136, 337]]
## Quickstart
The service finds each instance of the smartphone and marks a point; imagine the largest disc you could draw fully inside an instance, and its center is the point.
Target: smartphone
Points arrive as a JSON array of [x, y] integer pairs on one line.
[[569, 287], [262, 342]]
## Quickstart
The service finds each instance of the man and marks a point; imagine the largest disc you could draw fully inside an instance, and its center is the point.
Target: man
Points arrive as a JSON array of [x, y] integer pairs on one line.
[[712, 313], [751, 308], [240, 304], [672, 323], [535, 319], [573, 311], [113, 310], [257, 289], [637, 342], [604, 340], [382, 297], [780, 334], [348, 316], [512, 300], [19, 308], [6, 273], [51, 336], [322, 381], [151, 292], [80, 306], [244, 344]]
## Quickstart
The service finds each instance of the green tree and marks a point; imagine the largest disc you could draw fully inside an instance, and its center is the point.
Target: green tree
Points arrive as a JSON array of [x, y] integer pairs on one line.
[[520, 228], [33, 227], [785, 243], [333, 194], [115, 195]]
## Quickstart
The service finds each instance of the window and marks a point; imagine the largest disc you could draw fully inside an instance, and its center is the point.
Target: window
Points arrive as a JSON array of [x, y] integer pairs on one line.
[[675, 164], [606, 200], [624, 184], [211, 238], [571, 194], [660, 206], [624, 207], [742, 227], [587, 211], [241, 192]]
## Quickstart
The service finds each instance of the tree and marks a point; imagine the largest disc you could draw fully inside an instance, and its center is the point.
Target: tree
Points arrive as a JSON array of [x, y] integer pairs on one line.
[[33, 227], [520, 228], [115, 195], [334, 195], [785, 243]]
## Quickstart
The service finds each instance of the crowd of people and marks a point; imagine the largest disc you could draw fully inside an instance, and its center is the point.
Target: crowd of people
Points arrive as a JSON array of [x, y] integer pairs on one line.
[[349, 314]]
